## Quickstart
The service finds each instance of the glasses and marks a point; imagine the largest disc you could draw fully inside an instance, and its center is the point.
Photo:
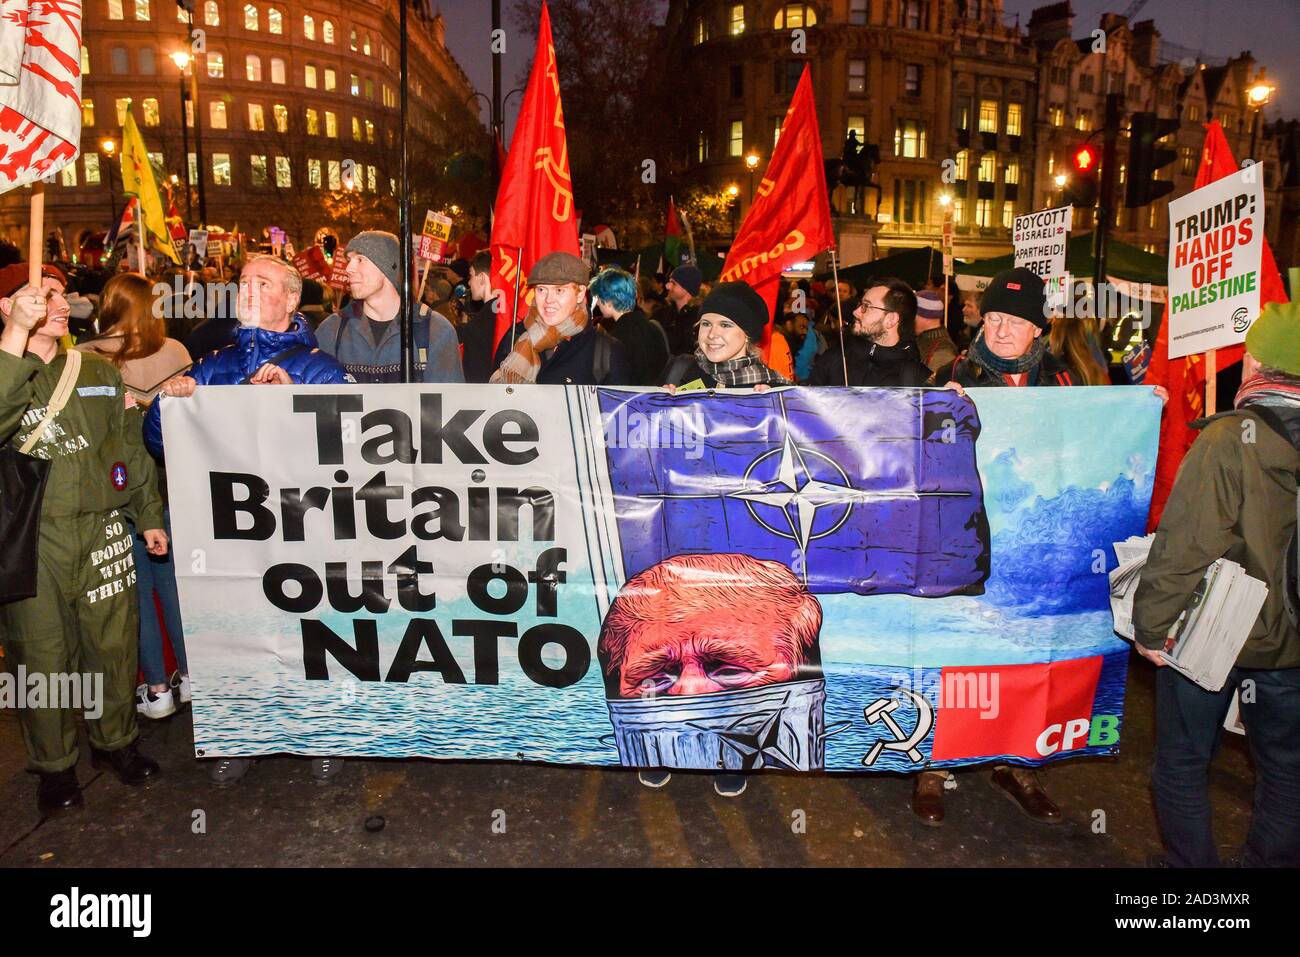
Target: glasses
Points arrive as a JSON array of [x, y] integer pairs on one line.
[[864, 304]]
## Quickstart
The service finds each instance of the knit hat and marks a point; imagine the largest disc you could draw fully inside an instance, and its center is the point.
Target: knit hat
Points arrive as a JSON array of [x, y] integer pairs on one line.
[[13, 278], [1274, 338], [738, 302], [558, 268], [929, 305], [382, 249], [688, 277], [1017, 292]]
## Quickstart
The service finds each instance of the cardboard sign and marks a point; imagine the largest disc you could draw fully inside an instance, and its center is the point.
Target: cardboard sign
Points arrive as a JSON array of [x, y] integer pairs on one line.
[[311, 263], [199, 240], [430, 249], [1215, 246], [339, 272], [437, 226], [1040, 241]]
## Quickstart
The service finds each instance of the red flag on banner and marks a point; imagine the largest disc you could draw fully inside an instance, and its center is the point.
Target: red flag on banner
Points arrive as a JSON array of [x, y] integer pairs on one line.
[[790, 219], [534, 213], [40, 88], [1184, 377]]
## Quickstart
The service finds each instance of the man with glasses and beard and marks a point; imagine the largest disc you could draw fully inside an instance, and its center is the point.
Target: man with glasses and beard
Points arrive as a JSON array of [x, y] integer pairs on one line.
[[879, 349]]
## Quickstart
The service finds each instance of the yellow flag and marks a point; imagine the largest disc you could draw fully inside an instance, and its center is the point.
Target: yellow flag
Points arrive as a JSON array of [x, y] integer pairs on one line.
[[138, 181]]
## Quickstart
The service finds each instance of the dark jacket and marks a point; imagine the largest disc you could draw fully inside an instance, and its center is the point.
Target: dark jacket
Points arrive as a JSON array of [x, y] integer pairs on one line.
[[1051, 371], [210, 335], [646, 347], [680, 326], [348, 337], [573, 361], [1232, 499], [870, 364], [254, 348], [476, 335]]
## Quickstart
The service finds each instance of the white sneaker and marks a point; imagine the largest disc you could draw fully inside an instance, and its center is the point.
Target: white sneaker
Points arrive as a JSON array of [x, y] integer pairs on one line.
[[182, 685], [155, 705]]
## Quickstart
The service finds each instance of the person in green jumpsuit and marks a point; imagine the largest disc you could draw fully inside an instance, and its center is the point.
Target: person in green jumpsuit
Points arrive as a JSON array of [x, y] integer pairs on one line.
[[84, 620]]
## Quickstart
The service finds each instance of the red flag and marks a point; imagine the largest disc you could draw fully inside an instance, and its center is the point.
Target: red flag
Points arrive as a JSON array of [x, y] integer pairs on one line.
[[534, 213], [790, 219], [40, 88], [1185, 377]]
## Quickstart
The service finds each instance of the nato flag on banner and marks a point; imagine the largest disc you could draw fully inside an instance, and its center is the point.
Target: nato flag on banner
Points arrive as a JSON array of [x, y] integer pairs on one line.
[[873, 491]]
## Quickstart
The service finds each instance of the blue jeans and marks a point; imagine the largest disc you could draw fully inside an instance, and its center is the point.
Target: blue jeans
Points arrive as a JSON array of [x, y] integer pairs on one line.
[[1189, 727], [158, 574]]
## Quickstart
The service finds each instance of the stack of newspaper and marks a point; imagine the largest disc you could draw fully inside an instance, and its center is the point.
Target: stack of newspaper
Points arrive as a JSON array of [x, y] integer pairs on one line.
[[1209, 634]]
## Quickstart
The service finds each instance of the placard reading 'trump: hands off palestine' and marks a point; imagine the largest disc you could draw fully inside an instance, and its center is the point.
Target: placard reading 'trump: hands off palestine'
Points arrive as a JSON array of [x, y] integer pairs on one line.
[[1215, 243]]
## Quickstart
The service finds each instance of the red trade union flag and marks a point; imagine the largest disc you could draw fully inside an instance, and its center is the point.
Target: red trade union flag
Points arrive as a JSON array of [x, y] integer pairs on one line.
[[790, 219], [40, 88], [1185, 377], [1029, 711], [534, 213]]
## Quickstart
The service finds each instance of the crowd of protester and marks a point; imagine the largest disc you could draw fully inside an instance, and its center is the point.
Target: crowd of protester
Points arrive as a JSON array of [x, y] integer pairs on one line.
[[671, 330]]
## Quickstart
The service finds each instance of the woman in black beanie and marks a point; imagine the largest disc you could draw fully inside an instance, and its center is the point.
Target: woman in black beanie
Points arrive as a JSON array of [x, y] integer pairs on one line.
[[732, 319]]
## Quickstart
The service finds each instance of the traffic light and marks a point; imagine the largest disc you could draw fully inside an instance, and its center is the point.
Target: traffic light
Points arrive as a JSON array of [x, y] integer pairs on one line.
[[1145, 159], [1080, 188]]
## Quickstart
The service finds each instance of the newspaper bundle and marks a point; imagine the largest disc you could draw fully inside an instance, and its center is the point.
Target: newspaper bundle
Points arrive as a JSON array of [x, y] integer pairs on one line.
[[1209, 634]]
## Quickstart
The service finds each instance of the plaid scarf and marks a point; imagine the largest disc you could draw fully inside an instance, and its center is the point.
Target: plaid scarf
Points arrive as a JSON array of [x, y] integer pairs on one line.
[[743, 370], [983, 357], [1263, 389], [525, 362]]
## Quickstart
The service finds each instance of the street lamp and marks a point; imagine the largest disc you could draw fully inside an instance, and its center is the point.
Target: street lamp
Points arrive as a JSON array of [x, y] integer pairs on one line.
[[185, 62], [751, 163], [109, 148], [1257, 96]]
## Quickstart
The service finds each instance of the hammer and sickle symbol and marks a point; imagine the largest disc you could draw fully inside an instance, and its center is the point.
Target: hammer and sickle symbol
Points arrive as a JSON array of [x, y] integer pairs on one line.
[[880, 711]]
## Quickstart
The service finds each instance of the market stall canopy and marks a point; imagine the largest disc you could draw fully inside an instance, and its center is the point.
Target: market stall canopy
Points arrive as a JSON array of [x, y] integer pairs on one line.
[[913, 266], [1125, 265]]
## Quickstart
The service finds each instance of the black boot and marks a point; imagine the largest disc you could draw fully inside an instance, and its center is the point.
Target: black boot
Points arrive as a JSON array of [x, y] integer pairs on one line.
[[58, 791], [130, 766]]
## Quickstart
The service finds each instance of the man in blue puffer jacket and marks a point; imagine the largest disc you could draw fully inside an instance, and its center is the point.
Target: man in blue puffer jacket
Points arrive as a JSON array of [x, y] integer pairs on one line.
[[272, 345]]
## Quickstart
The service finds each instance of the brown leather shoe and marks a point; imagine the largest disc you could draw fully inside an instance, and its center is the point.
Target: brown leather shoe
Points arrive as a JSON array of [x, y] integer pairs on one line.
[[927, 797], [1021, 786]]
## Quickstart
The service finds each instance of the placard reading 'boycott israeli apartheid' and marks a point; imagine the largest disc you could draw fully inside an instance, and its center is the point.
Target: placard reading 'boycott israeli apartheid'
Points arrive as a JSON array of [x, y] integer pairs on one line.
[[1040, 241], [1215, 244], [831, 579]]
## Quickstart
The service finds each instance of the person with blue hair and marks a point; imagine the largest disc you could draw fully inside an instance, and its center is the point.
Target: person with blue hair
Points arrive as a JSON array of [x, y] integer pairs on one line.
[[613, 304]]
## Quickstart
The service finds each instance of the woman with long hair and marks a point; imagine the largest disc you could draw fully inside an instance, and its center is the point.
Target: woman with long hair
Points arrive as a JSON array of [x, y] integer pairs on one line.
[[1068, 341], [133, 337]]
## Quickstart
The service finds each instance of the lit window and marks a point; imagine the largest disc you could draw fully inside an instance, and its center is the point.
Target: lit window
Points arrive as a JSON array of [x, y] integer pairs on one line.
[[194, 167], [121, 61], [327, 31], [331, 79], [1194, 113], [984, 212], [216, 65], [309, 26], [313, 173], [1011, 172], [1013, 119], [371, 176], [313, 122], [277, 70], [1083, 122], [988, 169], [92, 168], [115, 9], [701, 147], [250, 17], [1008, 215], [309, 76], [1153, 216], [857, 125], [212, 13], [370, 89], [959, 211], [331, 125], [736, 141], [87, 112], [354, 84], [963, 164], [122, 103], [335, 174], [910, 139], [365, 44], [1056, 115], [281, 114], [857, 76], [356, 128], [701, 31], [274, 21], [68, 175], [370, 131], [736, 22], [253, 68], [142, 10], [258, 166], [217, 115], [283, 174], [352, 40], [776, 133], [256, 121], [148, 66], [221, 169], [793, 16], [988, 116], [149, 109], [1188, 160]]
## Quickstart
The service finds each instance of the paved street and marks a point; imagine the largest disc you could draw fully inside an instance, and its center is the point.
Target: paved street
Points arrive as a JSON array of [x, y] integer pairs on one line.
[[442, 813]]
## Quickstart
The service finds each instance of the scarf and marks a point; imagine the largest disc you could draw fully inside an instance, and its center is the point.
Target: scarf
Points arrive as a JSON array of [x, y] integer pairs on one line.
[[983, 357], [1269, 390], [525, 361], [743, 370]]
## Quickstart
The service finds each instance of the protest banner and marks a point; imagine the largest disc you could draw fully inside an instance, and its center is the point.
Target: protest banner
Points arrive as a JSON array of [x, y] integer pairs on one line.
[[199, 240], [892, 581], [437, 226], [1215, 247], [1040, 242], [311, 263], [339, 270]]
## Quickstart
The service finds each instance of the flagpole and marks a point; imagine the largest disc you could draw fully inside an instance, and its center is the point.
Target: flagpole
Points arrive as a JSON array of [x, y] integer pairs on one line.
[[514, 313], [839, 310], [36, 229], [404, 219]]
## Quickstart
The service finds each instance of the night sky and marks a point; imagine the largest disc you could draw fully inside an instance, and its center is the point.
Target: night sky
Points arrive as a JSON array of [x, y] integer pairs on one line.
[[1270, 29]]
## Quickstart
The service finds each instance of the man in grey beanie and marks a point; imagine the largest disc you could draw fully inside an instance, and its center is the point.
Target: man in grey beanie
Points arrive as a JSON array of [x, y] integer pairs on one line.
[[364, 335]]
